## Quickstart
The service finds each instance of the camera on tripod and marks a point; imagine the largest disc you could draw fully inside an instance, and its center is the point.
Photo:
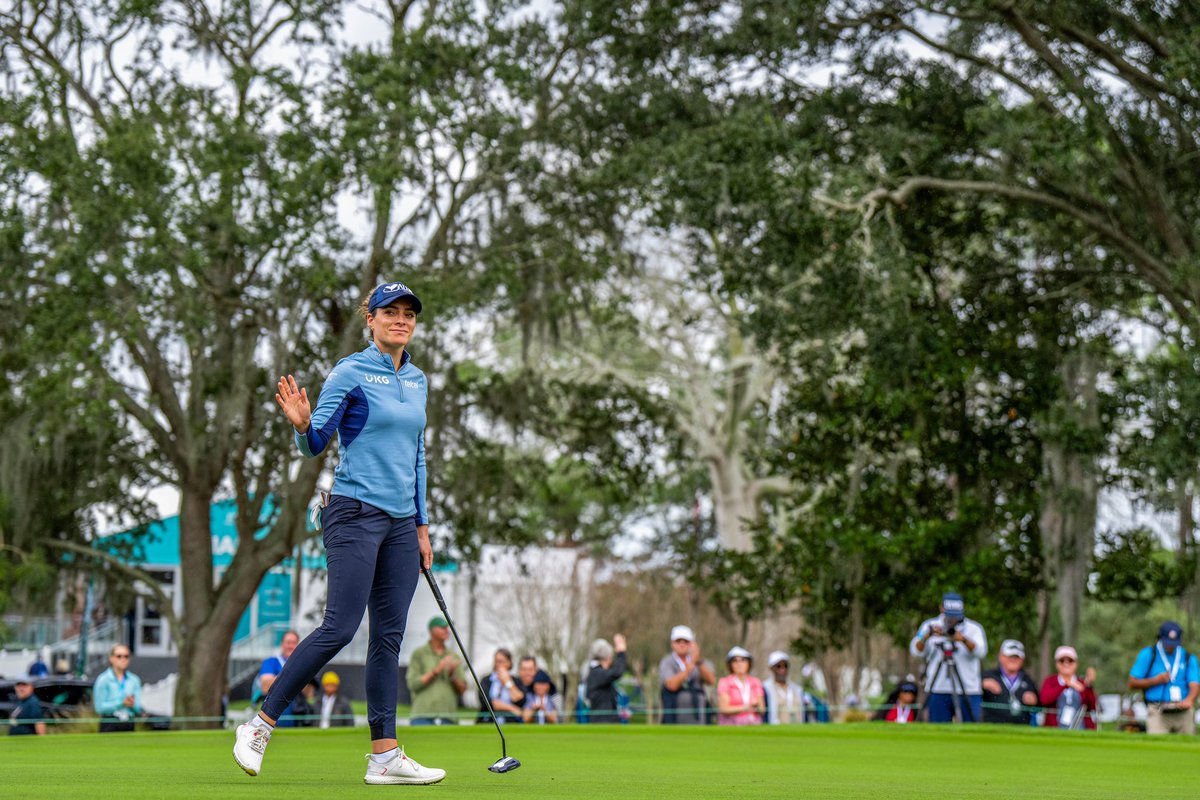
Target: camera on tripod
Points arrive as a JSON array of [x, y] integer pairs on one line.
[[946, 627]]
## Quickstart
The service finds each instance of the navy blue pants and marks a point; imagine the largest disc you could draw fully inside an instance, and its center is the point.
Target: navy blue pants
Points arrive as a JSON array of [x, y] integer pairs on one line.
[[941, 707], [374, 563]]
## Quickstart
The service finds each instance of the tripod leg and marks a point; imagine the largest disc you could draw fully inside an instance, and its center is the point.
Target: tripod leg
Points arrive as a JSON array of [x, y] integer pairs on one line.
[[964, 712], [937, 673]]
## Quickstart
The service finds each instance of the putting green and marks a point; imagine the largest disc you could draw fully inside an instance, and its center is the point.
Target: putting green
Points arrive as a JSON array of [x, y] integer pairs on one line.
[[826, 761]]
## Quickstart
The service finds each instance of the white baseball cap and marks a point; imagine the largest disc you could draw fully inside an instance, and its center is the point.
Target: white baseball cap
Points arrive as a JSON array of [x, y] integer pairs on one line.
[[736, 652], [777, 656], [1065, 650], [1011, 647], [682, 632]]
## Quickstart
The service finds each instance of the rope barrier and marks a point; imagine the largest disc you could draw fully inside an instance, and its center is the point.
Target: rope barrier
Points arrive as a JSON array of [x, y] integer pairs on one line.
[[467, 716]]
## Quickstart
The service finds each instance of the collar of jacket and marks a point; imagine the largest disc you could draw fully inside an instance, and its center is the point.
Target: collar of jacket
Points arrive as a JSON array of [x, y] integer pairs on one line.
[[379, 355]]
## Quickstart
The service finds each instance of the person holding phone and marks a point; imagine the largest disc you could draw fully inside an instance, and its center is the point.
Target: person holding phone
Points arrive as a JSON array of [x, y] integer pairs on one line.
[[539, 702], [606, 667], [1072, 698]]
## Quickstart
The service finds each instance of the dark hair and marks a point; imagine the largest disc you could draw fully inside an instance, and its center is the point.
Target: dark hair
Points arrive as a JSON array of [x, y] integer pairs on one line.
[[528, 658], [504, 651]]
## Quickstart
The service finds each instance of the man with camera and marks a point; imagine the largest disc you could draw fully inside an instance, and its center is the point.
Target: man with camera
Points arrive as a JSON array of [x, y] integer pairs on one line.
[[953, 648]]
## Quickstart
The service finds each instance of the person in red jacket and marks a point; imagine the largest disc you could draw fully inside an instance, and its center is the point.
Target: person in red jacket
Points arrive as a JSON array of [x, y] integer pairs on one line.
[[1072, 700], [904, 711]]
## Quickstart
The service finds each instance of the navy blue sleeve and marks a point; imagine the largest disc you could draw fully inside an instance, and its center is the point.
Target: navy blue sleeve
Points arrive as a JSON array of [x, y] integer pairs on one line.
[[336, 396]]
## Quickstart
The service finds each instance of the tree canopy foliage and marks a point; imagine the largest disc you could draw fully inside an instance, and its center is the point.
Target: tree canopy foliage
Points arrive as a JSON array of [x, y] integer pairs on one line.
[[873, 276]]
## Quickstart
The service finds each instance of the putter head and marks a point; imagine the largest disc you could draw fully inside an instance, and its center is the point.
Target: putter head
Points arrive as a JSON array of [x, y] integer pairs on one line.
[[506, 764]]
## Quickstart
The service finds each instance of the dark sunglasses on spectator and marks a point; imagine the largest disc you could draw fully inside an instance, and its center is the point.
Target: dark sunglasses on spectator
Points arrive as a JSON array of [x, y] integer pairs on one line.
[[120, 655], [1066, 660], [780, 665]]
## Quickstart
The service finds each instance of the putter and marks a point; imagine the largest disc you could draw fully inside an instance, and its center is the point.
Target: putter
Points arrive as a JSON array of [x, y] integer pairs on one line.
[[506, 763]]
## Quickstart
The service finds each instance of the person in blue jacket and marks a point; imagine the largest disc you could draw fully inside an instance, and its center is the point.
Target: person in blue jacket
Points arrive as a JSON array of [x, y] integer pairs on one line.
[[375, 526], [117, 693]]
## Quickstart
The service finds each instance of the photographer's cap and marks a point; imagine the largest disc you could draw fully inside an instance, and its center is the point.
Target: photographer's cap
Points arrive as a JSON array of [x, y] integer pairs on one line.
[[952, 604], [1011, 647], [1170, 632], [388, 293], [23, 679], [907, 686], [682, 632], [777, 657]]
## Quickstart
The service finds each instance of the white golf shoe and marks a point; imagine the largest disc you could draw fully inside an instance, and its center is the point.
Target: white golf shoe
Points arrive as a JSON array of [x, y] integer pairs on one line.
[[401, 769], [249, 747]]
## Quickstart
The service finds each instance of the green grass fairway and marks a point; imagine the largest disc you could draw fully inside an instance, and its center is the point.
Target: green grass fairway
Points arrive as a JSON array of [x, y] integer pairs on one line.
[[624, 763]]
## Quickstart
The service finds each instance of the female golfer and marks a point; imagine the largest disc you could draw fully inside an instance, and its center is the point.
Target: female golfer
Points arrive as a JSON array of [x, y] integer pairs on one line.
[[376, 531]]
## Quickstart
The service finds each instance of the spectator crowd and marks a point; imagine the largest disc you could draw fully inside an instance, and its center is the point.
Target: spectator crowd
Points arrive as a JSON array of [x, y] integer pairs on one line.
[[958, 688], [957, 684]]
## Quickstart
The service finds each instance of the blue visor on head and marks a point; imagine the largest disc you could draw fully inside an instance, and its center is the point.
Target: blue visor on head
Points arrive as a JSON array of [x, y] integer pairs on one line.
[[389, 293]]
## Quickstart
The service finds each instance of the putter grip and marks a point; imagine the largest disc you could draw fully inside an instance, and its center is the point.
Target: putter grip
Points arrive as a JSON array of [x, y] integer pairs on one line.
[[437, 593]]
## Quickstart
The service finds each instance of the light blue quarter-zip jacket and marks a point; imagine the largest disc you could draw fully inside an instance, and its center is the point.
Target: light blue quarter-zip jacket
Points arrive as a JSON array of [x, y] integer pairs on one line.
[[378, 413]]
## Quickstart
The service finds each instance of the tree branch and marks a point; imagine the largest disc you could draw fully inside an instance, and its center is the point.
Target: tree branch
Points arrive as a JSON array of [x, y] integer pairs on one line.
[[145, 418], [1156, 273], [46, 56]]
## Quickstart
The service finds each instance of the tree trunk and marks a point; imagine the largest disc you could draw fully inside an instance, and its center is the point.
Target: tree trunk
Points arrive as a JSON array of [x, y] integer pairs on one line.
[[211, 613], [1044, 663], [858, 632], [1187, 522], [1070, 488], [195, 555], [830, 664], [203, 667], [1190, 600], [204, 652], [730, 503]]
